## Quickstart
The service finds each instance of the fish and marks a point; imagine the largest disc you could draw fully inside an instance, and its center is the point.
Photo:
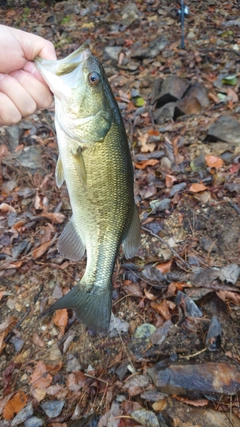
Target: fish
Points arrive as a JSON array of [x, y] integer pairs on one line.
[[95, 162]]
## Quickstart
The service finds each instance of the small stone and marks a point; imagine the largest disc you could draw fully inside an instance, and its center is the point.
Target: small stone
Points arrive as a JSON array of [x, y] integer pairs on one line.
[[230, 273], [177, 188], [72, 363], [53, 408], [23, 415], [144, 331], [34, 422]]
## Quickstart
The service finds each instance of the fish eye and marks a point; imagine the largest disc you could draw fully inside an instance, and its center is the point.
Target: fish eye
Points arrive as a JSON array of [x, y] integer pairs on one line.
[[93, 78]]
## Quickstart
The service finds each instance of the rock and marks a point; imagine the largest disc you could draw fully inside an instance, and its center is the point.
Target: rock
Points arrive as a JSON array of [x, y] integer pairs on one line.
[[72, 363], [34, 422], [159, 336], [117, 326], [213, 340], [154, 48], [30, 158], [145, 418], [225, 129], [198, 164], [230, 273], [144, 331], [22, 415], [182, 415], [164, 113], [209, 245], [188, 305], [172, 89], [177, 188], [160, 205], [112, 52], [129, 14], [186, 378], [193, 101], [13, 135], [53, 408]]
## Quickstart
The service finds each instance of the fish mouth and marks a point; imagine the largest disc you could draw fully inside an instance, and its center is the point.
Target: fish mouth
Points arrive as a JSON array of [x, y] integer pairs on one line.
[[64, 66]]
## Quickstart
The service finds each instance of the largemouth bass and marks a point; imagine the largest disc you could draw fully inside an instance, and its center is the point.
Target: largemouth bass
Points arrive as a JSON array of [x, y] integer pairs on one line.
[[95, 161]]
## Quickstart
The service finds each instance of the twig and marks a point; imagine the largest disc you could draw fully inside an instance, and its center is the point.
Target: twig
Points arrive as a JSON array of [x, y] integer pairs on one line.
[[220, 49], [166, 244]]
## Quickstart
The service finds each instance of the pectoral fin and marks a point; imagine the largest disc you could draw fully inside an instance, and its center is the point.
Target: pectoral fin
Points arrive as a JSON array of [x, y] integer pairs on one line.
[[70, 243], [59, 174], [131, 241], [80, 166]]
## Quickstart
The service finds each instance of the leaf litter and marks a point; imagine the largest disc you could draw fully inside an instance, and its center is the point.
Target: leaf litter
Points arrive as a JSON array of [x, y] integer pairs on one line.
[[187, 183]]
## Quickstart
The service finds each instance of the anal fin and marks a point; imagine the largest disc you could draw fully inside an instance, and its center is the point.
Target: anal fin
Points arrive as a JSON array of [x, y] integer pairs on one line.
[[132, 239], [70, 243]]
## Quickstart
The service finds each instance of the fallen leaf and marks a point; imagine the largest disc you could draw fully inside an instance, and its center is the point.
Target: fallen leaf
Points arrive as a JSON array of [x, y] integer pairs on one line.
[[40, 378], [213, 161], [40, 250], [75, 381], [160, 405], [54, 217], [60, 319], [164, 267], [37, 340], [38, 393], [5, 207], [14, 405], [197, 402], [196, 188], [170, 179], [143, 164], [162, 308]]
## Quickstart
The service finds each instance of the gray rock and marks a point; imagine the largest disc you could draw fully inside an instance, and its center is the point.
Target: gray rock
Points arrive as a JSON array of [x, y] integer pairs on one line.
[[164, 113], [29, 158], [53, 408], [18, 343], [230, 273], [34, 422], [144, 331], [177, 188], [154, 48], [12, 133], [72, 363], [23, 415], [160, 205], [111, 52], [225, 129], [130, 13]]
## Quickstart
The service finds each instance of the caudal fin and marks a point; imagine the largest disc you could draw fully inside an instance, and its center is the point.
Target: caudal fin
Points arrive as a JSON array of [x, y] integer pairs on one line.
[[92, 308]]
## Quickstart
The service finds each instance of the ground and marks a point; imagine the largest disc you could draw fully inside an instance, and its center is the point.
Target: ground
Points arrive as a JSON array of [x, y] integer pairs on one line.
[[183, 284]]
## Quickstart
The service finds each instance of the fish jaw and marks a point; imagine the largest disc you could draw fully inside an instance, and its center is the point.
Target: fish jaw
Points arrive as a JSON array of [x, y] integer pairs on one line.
[[63, 75]]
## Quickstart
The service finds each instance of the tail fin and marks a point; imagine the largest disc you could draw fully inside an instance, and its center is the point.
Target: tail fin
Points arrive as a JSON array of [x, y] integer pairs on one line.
[[92, 308]]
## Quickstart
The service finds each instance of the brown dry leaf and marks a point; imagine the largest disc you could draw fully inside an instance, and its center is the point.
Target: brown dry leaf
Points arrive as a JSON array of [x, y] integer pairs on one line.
[[37, 202], [5, 328], [160, 405], [213, 161], [153, 132], [149, 296], [133, 289], [38, 393], [196, 187], [40, 378], [164, 267], [229, 296], [14, 405], [60, 319], [197, 403], [5, 207], [162, 308], [170, 179], [145, 147], [233, 94], [145, 163], [75, 381], [54, 217], [40, 250], [55, 368], [37, 340], [3, 151]]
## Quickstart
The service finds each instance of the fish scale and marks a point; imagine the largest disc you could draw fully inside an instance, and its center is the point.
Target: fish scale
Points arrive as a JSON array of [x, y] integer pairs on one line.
[[95, 161]]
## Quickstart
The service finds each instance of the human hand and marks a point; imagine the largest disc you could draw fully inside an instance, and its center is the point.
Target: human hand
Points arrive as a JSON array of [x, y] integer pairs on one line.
[[22, 89]]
